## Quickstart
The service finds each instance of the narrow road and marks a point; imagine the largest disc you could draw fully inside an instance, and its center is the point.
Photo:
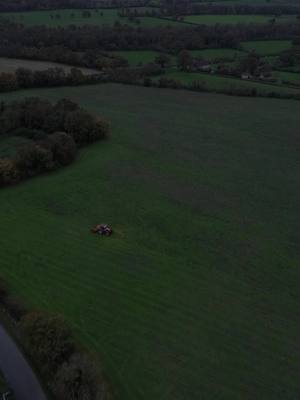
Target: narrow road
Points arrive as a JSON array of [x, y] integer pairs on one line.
[[17, 371]]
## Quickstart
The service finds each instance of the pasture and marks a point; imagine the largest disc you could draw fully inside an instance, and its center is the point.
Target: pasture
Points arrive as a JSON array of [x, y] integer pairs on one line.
[[196, 294], [12, 64], [267, 47], [140, 57], [217, 82], [77, 17], [288, 77], [237, 19]]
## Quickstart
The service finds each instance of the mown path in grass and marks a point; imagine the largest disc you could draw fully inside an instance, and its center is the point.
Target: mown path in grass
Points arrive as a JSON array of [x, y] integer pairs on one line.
[[196, 294]]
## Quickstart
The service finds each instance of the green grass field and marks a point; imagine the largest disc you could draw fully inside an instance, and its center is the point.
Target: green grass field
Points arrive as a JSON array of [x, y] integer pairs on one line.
[[140, 57], [237, 19], [293, 78], [216, 82], [75, 17], [267, 47], [12, 64], [196, 294]]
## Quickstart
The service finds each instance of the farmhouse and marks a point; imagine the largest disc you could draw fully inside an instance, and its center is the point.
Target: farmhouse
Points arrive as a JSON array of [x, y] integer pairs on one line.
[[245, 75]]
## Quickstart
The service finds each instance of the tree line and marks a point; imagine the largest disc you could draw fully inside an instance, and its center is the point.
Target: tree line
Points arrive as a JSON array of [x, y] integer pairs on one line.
[[24, 78], [123, 37], [53, 134], [69, 372]]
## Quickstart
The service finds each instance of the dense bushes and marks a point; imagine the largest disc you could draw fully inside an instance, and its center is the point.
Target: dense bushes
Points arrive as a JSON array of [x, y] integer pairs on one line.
[[54, 133], [78, 378], [48, 339], [69, 372]]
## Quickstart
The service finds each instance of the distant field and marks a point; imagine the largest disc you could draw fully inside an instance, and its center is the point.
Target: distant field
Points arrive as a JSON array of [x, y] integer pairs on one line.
[[196, 295], [289, 77], [140, 57], [75, 17], [236, 19], [264, 2], [215, 82], [267, 47], [11, 64], [294, 68], [212, 54]]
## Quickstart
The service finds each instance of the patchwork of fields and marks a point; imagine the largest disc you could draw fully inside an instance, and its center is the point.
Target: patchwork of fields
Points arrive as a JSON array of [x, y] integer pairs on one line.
[[76, 17], [217, 82], [111, 16], [195, 296]]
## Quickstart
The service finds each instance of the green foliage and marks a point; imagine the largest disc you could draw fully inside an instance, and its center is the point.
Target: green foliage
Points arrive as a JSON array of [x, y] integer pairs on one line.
[[184, 60], [79, 378], [48, 340], [34, 118], [63, 148]]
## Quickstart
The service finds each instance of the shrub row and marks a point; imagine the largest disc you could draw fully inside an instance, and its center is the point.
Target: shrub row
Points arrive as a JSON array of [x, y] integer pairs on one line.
[[165, 82], [25, 78], [69, 371]]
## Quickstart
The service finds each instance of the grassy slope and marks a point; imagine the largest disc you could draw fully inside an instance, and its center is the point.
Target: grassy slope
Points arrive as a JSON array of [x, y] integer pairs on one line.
[[236, 19], [11, 64], [136, 57], [267, 47], [195, 296], [291, 77], [141, 56], [109, 17]]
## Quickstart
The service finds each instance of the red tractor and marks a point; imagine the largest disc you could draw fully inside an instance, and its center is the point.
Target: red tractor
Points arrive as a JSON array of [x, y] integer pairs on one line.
[[102, 229]]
